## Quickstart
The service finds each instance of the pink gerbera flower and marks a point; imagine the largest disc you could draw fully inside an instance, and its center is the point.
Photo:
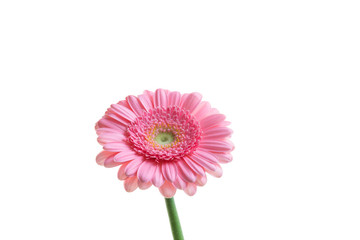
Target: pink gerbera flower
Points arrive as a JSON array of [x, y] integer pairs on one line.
[[164, 139]]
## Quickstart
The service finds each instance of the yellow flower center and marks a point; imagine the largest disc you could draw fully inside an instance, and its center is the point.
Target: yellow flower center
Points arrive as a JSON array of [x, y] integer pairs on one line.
[[164, 138]]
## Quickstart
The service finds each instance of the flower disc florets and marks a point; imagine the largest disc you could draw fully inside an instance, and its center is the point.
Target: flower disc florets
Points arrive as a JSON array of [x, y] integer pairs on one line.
[[165, 133]]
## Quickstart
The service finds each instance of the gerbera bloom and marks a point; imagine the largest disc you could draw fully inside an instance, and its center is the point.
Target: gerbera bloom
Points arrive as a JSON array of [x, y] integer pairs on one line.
[[164, 139]]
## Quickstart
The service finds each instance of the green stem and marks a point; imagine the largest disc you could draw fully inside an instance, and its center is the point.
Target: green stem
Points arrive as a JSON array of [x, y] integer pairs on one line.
[[174, 219]]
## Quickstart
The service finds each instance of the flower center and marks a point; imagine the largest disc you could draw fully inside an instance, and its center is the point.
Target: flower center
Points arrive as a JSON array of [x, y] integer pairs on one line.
[[165, 133], [164, 138]]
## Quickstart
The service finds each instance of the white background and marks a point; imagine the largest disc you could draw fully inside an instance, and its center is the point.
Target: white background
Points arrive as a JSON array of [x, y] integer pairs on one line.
[[285, 73]]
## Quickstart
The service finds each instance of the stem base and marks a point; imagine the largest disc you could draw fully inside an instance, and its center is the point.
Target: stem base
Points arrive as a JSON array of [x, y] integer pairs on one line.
[[174, 219]]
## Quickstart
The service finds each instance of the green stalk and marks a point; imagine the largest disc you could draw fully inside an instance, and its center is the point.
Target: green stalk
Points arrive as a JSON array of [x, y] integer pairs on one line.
[[174, 219]]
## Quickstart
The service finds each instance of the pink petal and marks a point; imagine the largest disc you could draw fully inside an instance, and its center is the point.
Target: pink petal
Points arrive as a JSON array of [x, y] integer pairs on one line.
[[131, 184], [158, 179], [190, 189], [146, 170], [109, 163], [202, 161], [191, 101], [124, 112], [121, 172], [201, 180], [224, 157], [174, 99], [133, 166], [144, 185], [217, 133], [125, 156], [183, 98], [161, 98], [224, 123], [116, 117], [167, 190], [194, 166], [206, 155], [106, 122], [146, 100], [213, 111], [124, 103], [110, 137], [179, 183], [185, 172], [217, 172], [216, 146], [202, 110], [102, 156], [169, 171], [212, 120], [105, 130], [135, 105], [116, 146]]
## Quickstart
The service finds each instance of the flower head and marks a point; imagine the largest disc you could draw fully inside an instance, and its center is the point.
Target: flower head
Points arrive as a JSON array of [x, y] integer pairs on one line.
[[164, 139]]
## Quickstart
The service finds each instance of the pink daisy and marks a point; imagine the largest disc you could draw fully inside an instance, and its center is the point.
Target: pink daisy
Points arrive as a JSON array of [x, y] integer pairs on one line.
[[166, 139]]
